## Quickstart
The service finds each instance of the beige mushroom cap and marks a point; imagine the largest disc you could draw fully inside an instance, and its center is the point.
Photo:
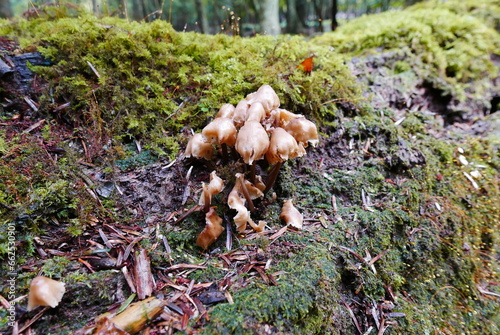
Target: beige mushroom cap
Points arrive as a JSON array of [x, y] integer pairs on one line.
[[291, 215], [236, 201], [240, 113], [303, 131], [45, 292], [252, 142], [226, 110], [282, 147], [266, 96], [197, 147], [209, 190], [220, 130], [256, 112], [212, 231]]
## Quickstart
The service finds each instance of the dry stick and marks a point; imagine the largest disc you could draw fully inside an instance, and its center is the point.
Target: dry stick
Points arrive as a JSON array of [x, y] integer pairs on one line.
[[191, 210], [272, 176], [351, 313], [244, 190], [33, 320]]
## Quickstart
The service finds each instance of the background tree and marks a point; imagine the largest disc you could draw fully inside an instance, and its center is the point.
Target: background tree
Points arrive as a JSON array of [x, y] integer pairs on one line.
[[268, 13], [5, 8], [292, 20], [202, 16], [234, 17], [334, 11]]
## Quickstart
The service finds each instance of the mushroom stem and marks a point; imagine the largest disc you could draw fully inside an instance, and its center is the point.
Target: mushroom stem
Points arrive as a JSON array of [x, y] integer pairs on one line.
[[206, 206], [272, 176], [252, 173], [246, 194], [225, 156]]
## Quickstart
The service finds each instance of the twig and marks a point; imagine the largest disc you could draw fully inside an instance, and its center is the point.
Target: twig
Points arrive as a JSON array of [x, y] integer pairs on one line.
[[130, 246], [34, 126], [31, 103], [129, 280], [185, 266], [94, 69], [351, 313], [35, 318], [483, 291], [104, 239], [229, 235], [193, 209], [375, 314]]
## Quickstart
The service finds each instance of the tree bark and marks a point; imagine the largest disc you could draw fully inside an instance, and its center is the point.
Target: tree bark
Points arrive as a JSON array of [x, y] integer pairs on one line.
[[385, 5], [292, 19], [318, 9], [201, 11], [335, 9], [5, 9], [137, 10], [269, 16], [301, 9]]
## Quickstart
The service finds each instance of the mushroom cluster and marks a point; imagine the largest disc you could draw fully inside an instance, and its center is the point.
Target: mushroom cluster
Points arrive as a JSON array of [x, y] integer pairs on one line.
[[255, 129]]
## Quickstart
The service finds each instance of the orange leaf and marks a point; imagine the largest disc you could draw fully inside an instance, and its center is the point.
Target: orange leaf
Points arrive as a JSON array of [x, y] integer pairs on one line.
[[307, 65]]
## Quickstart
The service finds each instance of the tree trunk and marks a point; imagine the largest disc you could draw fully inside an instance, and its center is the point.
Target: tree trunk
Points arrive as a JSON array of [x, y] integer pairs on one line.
[[292, 19], [335, 9], [301, 10], [318, 9], [137, 10], [202, 16], [385, 5], [5, 9], [269, 15]]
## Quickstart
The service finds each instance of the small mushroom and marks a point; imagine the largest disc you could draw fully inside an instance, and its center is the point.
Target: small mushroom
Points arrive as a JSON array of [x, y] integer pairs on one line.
[[198, 147], [240, 113], [256, 112], [221, 131], [303, 130], [45, 292], [252, 142], [227, 110], [212, 231], [283, 117], [209, 190], [266, 96], [236, 200], [291, 215], [282, 146]]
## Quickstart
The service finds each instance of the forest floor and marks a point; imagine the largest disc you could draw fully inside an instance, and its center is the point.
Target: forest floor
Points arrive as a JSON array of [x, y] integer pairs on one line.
[[401, 208]]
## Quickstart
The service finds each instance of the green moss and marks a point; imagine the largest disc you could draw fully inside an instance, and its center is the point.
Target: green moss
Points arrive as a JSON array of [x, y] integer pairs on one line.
[[448, 47], [144, 158], [304, 300], [151, 81], [488, 11], [439, 232], [55, 267]]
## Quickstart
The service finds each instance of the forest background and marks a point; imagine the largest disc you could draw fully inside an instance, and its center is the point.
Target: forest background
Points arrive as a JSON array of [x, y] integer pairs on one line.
[[235, 17]]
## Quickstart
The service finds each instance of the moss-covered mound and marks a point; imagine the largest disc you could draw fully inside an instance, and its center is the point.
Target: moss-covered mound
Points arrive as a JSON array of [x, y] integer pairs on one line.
[[138, 81], [401, 201], [447, 45]]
